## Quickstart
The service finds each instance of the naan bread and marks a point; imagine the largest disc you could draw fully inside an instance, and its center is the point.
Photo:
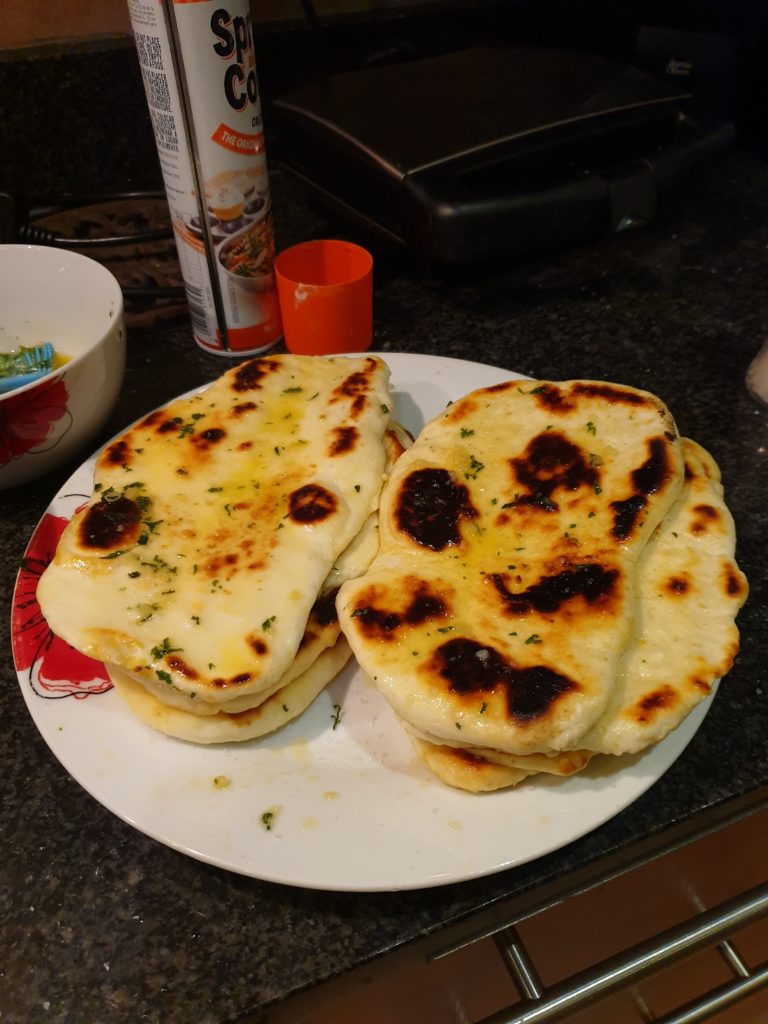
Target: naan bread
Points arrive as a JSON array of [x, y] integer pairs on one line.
[[689, 592], [280, 708], [321, 632], [322, 628], [464, 770], [569, 762], [502, 597], [215, 521]]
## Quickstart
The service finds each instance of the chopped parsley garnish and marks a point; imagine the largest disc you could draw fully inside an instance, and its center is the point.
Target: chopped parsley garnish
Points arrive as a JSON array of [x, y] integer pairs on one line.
[[134, 574], [597, 488], [267, 623], [466, 432], [384, 408], [114, 554], [484, 708], [213, 490], [292, 391], [595, 460], [445, 629], [534, 638], [163, 676], [357, 487], [195, 619], [458, 726], [538, 390], [591, 427], [336, 716], [159, 563], [474, 468], [163, 648], [266, 820]]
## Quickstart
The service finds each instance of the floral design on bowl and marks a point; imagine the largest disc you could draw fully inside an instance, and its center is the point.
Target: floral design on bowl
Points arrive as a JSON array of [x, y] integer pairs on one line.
[[34, 420]]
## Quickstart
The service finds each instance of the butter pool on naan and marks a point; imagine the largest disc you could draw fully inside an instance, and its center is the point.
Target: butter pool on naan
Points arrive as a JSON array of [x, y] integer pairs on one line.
[[215, 521], [502, 597]]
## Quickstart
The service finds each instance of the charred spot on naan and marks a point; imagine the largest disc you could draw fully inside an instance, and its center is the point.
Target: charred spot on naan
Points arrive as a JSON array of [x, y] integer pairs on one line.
[[613, 394], [220, 683], [111, 524], [257, 644], [464, 757], [117, 454], [652, 477], [549, 463], [356, 388], [734, 581], [460, 410], [430, 507], [659, 701], [177, 664], [590, 585], [344, 440], [705, 518], [470, 670], [207, 438], [678, 585], [249, 376], [324, 609], [311, 504], [241, 408], [552, 398], [421, 604]]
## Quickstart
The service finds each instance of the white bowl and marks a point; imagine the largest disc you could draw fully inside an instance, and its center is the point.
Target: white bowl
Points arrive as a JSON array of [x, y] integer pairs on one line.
[[75, 303]]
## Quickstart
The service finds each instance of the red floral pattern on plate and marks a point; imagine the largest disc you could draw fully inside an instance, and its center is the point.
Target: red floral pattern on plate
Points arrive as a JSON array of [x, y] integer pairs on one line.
[[55, 669], [27, 419]]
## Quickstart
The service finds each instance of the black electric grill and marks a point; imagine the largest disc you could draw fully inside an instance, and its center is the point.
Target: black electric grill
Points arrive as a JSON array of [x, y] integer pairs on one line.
[[487, 152]]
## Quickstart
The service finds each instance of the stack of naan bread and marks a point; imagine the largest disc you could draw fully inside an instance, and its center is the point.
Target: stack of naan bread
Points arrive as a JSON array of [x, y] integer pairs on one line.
[[203, 570], [555, 579], [546, 574]]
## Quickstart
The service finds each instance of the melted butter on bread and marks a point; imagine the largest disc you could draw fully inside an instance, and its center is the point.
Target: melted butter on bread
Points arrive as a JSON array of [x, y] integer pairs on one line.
[[215, 520], [502, 596]]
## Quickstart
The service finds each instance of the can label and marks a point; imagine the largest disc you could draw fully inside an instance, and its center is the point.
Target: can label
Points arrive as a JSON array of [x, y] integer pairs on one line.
[[198, 66]]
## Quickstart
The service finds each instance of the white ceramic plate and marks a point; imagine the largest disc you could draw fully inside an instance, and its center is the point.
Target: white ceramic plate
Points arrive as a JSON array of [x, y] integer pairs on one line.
[[351, 807]]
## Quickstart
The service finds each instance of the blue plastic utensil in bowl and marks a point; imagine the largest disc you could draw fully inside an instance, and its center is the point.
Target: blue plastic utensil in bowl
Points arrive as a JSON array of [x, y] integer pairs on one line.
[[25, 365], [62, 343]]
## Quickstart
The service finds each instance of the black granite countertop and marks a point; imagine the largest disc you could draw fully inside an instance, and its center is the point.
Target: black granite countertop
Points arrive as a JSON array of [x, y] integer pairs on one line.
[[99, 923]]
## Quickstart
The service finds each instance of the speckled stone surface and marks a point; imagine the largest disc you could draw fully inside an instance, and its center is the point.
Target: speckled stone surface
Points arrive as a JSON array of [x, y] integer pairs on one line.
[[101, 924]]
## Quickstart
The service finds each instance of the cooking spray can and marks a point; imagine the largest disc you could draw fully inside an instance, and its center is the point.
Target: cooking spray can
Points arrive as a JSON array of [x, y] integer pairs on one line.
[[198, 66]]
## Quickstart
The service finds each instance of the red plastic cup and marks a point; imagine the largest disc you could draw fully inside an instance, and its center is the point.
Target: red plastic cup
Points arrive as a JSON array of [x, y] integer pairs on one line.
[[325, 290]]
